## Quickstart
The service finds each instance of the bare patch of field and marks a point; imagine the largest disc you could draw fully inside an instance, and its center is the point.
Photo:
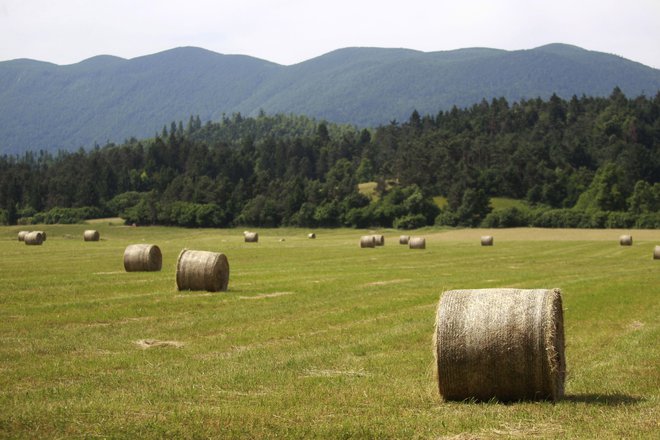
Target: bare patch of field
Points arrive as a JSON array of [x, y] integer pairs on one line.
[[245, 393], [635, 325], [313, 372], [267, 295], [384, 283], [155, 343]]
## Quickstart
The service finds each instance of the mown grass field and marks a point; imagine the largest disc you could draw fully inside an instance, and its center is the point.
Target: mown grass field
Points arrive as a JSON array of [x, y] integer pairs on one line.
[[314, 339]]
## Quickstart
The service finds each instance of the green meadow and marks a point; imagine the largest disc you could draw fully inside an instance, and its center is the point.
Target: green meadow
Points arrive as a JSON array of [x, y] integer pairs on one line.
[[314, 338]]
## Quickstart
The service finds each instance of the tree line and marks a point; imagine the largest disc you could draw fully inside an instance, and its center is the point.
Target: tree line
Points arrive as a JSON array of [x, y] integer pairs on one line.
[[583, 162]]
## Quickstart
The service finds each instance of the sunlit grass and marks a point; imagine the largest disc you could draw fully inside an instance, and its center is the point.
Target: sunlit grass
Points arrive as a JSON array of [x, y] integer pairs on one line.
[[503, 203], [495, 202], [440, 201], [315, 338]]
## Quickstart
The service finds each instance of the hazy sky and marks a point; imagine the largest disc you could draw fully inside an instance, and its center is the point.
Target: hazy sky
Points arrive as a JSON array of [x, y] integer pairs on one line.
[[291, 31]]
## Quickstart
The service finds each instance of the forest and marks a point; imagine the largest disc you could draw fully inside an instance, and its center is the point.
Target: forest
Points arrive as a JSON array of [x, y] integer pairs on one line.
[[591, 162]]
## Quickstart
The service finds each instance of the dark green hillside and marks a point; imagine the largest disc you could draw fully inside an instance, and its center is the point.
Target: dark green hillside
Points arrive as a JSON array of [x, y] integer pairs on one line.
[[44, 106], [368, 86], [109, 99]]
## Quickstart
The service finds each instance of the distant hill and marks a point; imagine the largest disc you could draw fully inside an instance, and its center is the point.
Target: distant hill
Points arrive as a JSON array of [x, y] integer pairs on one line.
[[105, 98]]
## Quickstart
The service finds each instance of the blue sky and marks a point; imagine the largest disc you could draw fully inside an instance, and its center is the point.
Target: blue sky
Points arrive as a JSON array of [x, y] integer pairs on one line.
[[291, 31]]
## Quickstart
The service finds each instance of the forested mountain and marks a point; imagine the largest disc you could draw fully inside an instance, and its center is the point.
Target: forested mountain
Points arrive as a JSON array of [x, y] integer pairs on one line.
[[47, 107], [582, 162]]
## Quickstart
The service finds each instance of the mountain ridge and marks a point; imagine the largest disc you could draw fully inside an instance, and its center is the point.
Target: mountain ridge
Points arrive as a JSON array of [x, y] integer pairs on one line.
[[109, 99]]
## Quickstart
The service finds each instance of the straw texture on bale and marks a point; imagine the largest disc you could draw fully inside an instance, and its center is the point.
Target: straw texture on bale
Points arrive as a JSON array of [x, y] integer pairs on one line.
[[417, 243], [22, 234], [500, 343], [91, 235], [404, 239], [143, 258], [625, 240], [34, 238], [379, 240], [311, 235], [367, 241], [487, 240], [251, 237], [202, 270], [656, 253]]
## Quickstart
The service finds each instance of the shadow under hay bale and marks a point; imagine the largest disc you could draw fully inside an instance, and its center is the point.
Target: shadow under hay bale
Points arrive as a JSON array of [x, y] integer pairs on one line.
[[202, 270], [487, 240], [404, 239], [506, 344], [251, 237], [367, 241], [417, 243], [22, 234], [143, 258], [34, 238], [626, 240], [91, 235], [656, 253], [379, 240]]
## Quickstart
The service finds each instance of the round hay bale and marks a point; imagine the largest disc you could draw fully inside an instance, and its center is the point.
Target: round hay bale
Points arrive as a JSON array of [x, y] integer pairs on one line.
[[625, 240], [22, 234], [656, 253], [142, 258], [251, 237], [500, 343], [43, 235], [417, 243], [404, 239], [311, 235], [487, 240], [34, 238], [367, 241], [91, 235], [202, 270], [380, 240]]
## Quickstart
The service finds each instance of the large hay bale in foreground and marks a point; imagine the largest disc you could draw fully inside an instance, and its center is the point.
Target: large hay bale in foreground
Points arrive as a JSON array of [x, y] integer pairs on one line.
[[91, 235], [379, 239], [404, 239], [487, 240], [202, 270], [22, 234], [142, 258], [367, 241], [251, 237], [656, 253], [34, 238], [625, 240], [417, 243], [500, 343]]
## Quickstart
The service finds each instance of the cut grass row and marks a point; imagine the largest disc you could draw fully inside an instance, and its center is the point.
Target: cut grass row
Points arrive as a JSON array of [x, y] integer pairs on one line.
[[315, 338]]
